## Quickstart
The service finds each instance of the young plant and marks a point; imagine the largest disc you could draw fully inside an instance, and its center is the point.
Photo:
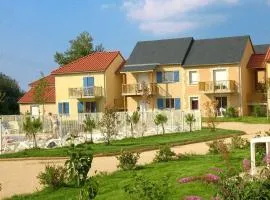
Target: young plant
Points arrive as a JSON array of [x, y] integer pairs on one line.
[[127, 160], [89, 124], [190, 119], [210, 108], [108, 124], [133, 120], [78, 165], [161, 119], [164, 154], [53, 176], [31, 127], [89, 190]]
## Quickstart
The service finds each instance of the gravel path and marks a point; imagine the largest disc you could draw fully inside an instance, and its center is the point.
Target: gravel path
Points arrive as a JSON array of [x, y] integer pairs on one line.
[[19, 176]]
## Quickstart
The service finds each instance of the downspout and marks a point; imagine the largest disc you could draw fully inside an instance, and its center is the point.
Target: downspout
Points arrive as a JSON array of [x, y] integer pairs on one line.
[[240, 89]]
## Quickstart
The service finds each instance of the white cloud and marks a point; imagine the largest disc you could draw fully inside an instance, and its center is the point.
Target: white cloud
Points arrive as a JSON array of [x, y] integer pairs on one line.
[[171, 16]]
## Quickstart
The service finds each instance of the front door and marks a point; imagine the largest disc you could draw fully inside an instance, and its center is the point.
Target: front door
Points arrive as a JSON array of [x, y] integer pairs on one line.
[[143, 106], [35, 110], [222, 105], [90, 107]]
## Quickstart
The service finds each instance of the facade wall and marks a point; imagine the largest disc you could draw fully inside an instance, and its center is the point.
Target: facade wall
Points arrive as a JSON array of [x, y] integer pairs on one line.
[[48, 108]]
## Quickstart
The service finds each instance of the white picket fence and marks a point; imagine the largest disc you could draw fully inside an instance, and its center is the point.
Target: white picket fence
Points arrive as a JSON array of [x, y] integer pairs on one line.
[[58, 128]]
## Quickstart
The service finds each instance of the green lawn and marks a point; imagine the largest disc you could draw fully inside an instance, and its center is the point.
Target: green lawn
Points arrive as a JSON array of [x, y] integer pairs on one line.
[[245, 119], [132, 144], [111, 187]]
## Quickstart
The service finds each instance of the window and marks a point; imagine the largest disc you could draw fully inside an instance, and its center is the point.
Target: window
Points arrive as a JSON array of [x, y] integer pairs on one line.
[[169, 103], [87, 107], [194, 103], [193, 77], [168, 77], [63, 108]]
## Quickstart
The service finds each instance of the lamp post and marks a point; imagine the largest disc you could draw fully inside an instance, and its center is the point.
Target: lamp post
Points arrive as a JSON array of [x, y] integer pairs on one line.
[[1, 135]]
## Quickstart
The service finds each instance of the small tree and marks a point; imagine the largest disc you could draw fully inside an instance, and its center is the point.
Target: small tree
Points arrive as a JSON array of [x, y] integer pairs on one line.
[[210, 108], [108, 124], [161, 119], [31, 127], [133, 120], [190, 119], [2, 96], [89, 124]]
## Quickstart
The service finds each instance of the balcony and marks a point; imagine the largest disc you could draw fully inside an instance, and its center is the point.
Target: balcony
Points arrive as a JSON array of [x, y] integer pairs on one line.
[[218, 87], [257, 98], [87, 92], [139, 89]]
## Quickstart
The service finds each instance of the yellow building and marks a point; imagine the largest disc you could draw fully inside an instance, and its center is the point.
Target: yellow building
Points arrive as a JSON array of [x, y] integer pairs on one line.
[[89, 84], [185, 73]]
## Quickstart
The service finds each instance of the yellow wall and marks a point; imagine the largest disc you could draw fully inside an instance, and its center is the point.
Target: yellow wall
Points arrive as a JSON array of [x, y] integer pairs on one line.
[[48, 108]]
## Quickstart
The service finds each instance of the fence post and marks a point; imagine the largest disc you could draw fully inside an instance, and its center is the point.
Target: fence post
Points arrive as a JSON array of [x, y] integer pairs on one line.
[[60, 127], [172, 117], [1, 135], [183, 122]]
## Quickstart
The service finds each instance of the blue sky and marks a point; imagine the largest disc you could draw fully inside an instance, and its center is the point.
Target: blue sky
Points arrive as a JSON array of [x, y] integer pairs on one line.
[[31, 31]]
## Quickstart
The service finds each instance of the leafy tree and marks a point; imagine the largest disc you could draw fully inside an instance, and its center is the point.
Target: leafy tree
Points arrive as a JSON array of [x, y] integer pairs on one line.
[[89, 190], [79, 47], [190, 119], [10, 94], [133, 120], [108, 124], [40, 96], [31, 127], [161, 119], [89, 124]]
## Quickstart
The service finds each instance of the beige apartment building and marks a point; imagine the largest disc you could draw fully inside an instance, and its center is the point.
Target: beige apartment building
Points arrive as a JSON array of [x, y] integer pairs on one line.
[[184, 73]]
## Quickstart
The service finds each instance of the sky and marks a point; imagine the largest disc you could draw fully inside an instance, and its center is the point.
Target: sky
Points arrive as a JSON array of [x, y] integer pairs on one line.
[[31, 31]]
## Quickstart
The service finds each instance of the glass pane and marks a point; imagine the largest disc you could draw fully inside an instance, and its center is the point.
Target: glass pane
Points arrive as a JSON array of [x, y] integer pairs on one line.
[[168, 76]]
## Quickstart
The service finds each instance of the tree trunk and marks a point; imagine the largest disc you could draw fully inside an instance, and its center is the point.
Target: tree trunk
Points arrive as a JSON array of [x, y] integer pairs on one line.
[[190, 127], [163, 129], [91, 134], [34, 141], [131, 129]]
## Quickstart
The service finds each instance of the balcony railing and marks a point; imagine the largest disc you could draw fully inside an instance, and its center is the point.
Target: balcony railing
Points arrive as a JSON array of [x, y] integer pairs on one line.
[[257, 98], [139, 89], [228, 86], [86, 92]]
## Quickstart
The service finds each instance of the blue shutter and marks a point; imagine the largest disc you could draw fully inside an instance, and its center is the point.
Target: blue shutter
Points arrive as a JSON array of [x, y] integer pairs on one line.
[[90, 81], [159, 77], [176, 76], [84, 81], [60, 108], [66, 108], [160, 104], [80, 107], [177, 103]]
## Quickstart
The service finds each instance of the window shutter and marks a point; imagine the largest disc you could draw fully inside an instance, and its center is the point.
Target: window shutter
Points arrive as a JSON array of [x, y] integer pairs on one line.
[[177, 103], [80, 107], [60, 108], [160, 104], [176, 76], [84, 81], [159, 77], [90, 81], [66, 108]]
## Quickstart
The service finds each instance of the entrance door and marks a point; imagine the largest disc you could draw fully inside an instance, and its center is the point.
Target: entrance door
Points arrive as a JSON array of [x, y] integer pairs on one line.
[[220, 79], [143, 106], [222, 105]]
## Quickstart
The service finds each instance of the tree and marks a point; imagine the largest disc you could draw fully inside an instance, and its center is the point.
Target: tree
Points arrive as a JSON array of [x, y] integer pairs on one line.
[[190, 119], [133, 120], [31, 127], [79, 47], [10, 94], [210, 108], [89, 124], [161, 119], [40, 96], [108, 124]]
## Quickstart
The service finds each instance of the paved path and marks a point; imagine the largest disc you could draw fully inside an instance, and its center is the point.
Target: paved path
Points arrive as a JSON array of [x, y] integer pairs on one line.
[[19, 176]]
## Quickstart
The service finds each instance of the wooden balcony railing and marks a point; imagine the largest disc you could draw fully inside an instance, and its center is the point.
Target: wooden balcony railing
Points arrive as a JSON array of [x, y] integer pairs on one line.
[[86, 92], [227, 86], [139, 89], [257, 98]]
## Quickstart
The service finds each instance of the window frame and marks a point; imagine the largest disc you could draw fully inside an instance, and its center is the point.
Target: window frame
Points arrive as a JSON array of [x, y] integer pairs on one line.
[[191, 99], [165, 74], [190, 77]]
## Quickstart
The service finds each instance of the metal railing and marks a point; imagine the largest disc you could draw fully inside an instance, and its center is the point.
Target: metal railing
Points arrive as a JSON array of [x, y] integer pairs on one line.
[[85, 92], [138, 89], [226, 86]]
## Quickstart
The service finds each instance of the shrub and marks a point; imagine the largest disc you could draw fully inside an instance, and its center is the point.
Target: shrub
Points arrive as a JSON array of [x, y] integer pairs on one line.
[[89, 190], [145, 189], [161, 119], [127, 160], [164, 154], [53, 176], [210, 108], [31, 126], [237, 142], [89, 124], [78, 165], [231, 112], [190, 119], [259, 111], [216, 146]]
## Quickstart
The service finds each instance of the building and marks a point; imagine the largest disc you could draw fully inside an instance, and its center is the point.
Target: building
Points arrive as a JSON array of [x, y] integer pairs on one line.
[[185, 73]]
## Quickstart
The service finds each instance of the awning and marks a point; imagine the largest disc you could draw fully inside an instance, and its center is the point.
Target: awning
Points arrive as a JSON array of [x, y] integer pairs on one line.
[[139, 68]]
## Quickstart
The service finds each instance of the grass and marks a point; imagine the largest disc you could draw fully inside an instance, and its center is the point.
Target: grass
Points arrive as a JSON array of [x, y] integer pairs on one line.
[[111, 186], [131, 144], [245, 119]]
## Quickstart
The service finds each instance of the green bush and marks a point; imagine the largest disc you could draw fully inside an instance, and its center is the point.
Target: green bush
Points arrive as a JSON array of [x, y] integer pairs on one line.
[[217, 147], [145, 189], [53, 176], [164, 154], [231, 112], [89, 190], [127, 160], [259, 111], [237, 142]]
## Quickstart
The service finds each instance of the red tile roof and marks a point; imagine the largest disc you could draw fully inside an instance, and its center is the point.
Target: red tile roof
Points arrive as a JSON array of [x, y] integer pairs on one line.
[[28, 97], [95, 62], [50, 80], [257, 61]]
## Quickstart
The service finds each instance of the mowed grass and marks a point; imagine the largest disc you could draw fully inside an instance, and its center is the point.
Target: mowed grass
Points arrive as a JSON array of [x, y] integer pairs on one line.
[[244, 119], [112, 186], [132, 144]]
